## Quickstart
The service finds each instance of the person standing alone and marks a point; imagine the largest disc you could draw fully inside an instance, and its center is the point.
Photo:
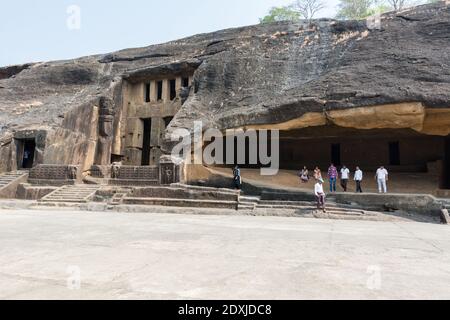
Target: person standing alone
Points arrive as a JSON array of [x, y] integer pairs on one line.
[[382, 177], [237, 178], [320, 195], [358, 179], [345, 174], [332, 176]]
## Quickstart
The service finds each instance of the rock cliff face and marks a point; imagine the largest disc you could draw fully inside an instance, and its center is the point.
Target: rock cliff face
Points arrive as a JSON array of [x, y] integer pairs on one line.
[[283, 74]]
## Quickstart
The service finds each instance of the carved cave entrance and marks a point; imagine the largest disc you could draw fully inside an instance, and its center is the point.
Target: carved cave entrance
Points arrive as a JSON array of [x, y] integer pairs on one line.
[[26, 149], [400, 150]]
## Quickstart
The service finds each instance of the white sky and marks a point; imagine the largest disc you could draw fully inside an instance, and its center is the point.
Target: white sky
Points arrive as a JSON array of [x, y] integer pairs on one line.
[[38, 30]]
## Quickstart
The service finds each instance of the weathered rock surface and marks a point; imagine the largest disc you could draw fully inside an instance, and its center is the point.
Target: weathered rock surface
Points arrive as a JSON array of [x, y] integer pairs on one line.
[[263, 74]]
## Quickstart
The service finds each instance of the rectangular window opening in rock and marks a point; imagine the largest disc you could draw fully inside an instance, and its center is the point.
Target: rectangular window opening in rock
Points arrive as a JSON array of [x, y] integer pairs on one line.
[[146, 147], [159, 88], [173, 89], [147, 92], [185, 82]]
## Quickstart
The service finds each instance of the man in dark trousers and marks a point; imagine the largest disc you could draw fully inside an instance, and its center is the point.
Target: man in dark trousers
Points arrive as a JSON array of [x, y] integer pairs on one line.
[[358, 180], [345, 174], [237, 178]]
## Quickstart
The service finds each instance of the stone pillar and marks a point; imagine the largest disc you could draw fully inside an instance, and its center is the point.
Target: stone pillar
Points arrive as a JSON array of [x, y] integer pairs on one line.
[[40, 139], [153, 91], [158, 127], [170, 170], [105, 131], [166, 91]]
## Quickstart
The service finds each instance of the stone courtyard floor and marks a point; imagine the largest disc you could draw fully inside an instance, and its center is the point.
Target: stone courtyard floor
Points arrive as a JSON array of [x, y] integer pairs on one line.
[[63, 254]]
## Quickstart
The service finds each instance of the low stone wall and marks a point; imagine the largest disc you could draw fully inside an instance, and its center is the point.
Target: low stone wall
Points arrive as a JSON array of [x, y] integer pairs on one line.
[[181, 193], [183, 203], [131, 182], [134, 176], [419, 203], [54, 175], [101, 172], [135, 173]]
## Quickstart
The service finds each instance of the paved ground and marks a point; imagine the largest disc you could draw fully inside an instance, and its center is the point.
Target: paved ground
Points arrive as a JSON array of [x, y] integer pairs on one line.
[[163, 256]]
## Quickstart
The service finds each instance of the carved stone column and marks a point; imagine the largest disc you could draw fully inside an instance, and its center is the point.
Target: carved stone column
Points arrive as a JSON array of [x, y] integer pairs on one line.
[[105, 131]]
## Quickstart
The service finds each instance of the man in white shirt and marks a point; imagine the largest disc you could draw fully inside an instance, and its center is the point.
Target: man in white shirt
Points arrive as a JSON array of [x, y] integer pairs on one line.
[[320, 195], [382, 178], [345, 175], [358, 179]]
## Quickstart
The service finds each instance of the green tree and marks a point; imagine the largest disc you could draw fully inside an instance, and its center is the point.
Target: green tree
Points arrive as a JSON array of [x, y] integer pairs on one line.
[[379, 9], [307, 9], [281, 14], [355, 9]]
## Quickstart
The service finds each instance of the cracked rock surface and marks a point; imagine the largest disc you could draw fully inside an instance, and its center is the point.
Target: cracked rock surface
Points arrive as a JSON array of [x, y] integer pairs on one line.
[[254, 75]]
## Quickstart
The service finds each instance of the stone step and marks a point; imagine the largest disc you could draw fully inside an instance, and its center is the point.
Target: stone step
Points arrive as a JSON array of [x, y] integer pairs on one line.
[[200, 188], [72, 194], [77, 194], [7, 181], [185, 203], [246, 207], [66, 197], [118, 198], [63, 200], [249, 199], [287, 207], [285, 203]]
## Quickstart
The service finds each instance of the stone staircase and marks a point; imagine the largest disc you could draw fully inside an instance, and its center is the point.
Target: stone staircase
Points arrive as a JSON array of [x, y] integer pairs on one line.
[[9, 182], [71, 194], [118, 197], [7, 178], [248, 203], [178, 195], [255, 203]]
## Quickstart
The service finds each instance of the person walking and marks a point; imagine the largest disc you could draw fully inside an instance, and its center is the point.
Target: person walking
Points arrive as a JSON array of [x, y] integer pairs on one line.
[[358, 179], [304, 175], [345, 174], [382, 177], [320, 195], [237, 178], [332, 176]]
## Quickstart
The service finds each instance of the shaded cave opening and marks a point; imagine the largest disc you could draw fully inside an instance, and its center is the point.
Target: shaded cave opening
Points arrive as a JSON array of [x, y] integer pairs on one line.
[[26, 149]]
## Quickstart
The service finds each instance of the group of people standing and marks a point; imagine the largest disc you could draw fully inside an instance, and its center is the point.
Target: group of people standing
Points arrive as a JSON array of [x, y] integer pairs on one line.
[[382, 176]]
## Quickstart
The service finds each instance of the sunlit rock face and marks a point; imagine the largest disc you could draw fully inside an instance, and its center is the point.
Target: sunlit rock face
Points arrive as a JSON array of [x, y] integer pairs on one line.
[[265, 75]]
